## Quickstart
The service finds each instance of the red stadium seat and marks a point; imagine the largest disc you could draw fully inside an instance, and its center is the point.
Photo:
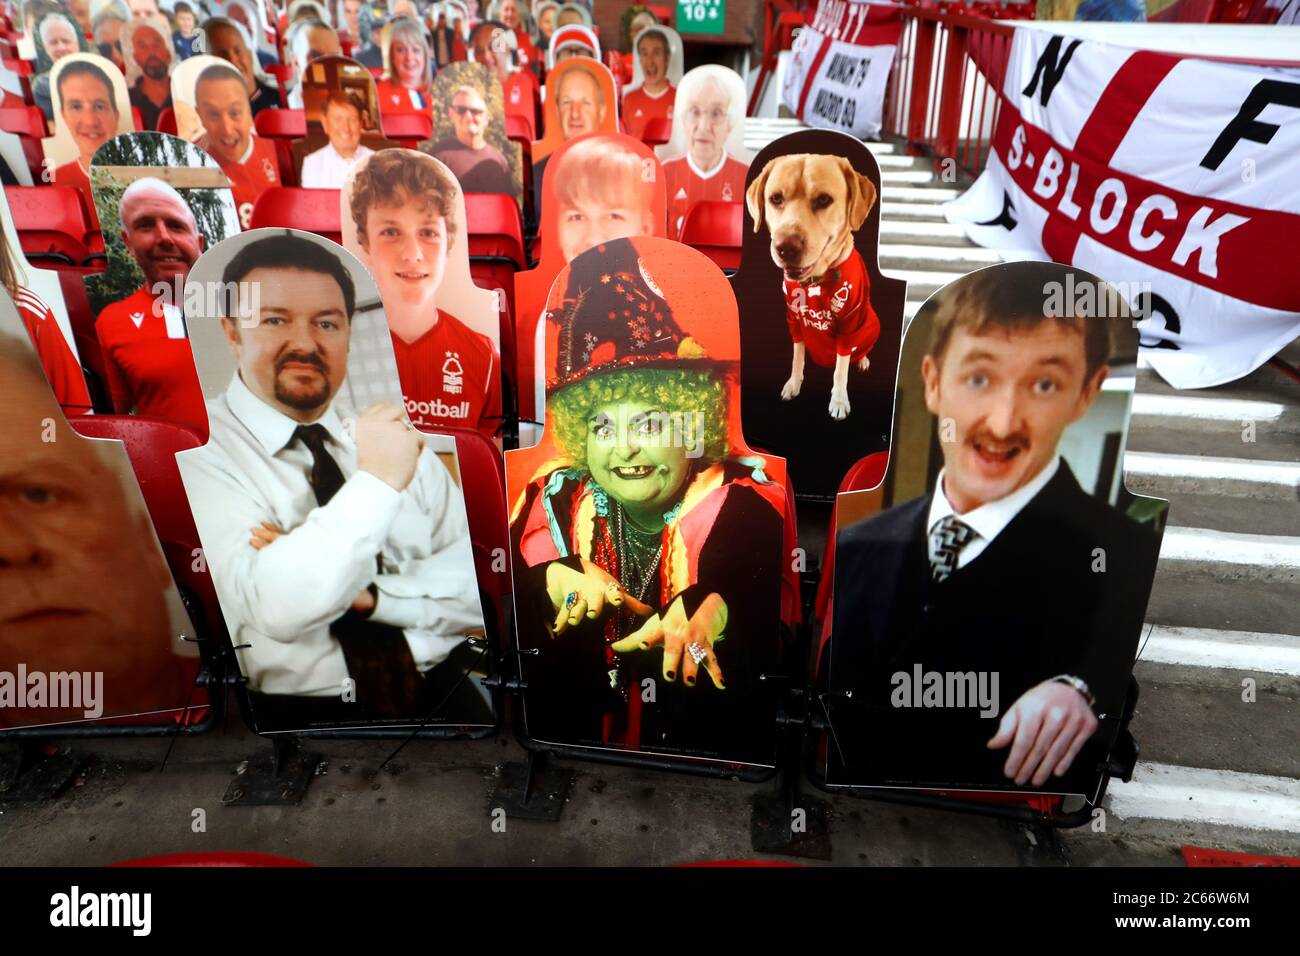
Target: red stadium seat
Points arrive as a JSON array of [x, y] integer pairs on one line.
[[137, 120], [167, 121], [716, 229], [865, 474], [657, 131], [82, 321], [288, 207], [51, 225], [482, 469], [24, 120], [34, 154], [286, 124], [413, 127], [15, 65], [520, 129], [283, 73], [496, 253]]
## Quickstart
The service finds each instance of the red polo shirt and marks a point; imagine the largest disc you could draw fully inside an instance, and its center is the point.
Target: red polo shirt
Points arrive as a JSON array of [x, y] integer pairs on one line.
[[150, 368], [686, 187], [249, 179], [639, 108]]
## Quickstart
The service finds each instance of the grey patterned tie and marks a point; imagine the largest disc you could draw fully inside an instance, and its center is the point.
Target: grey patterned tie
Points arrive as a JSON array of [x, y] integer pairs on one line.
[[946, 541]]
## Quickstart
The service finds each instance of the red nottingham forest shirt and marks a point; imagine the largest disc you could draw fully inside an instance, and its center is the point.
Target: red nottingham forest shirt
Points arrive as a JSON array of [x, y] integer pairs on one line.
[[254, 176], [449, 377], [149, 365], [833, 317]]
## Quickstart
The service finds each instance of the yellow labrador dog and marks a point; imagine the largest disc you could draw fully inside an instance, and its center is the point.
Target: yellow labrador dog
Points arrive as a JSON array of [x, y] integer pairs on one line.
[[812, 205]]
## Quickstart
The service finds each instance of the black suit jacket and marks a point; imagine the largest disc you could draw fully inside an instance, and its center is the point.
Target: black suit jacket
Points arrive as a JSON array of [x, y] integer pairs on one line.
[[1061, 590]]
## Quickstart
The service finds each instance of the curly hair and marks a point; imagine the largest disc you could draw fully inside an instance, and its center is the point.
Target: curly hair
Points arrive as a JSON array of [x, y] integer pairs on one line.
[[392, 177], [694, 400]]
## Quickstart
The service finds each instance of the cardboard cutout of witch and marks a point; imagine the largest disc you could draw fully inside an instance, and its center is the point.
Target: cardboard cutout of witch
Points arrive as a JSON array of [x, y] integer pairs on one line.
[[706, 158], [647, 536], [597, 188], [213, 111], [657, 68], [91, 106], [161, 201], [335, 532], [821, 325], [403, 215], [343, 122], [986, 623], [469, 131], [91, 624]]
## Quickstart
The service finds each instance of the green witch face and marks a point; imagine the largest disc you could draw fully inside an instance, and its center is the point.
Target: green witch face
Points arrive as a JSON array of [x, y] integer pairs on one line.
[[635, 452]]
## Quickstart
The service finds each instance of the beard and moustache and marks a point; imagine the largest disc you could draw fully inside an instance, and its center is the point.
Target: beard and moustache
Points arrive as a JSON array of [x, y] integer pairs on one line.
[[155, 68], [302, 401]]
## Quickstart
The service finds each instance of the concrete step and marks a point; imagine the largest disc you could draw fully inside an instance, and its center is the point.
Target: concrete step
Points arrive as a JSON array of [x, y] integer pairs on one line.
[[1206, 657], [1224, 415], [899, 161], [921, 284], [1223, 513], [958, 260], [1161, 474], [1199, 600], [1216, 437], [926, 195], [1203, 797], [1265, 384], [906, 177], [1191, 725], [924, 233], [1231, 556], [904, 211]]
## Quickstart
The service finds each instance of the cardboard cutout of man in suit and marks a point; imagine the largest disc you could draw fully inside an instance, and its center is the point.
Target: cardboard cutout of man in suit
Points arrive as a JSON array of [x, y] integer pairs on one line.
[[1006, 571]]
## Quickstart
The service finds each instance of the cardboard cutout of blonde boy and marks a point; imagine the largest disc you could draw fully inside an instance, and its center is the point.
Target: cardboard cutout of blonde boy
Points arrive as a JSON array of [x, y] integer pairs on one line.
[[706, 159], [162, 202], [598, 187], [335, 532], [403, 216], [93, 623], [469, 132], [985, 626], [647, 536], [656, 72], [91, 106], [210, 98]]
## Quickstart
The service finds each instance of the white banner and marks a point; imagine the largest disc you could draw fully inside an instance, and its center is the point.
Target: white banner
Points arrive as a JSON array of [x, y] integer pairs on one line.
[[839, 66], [1171, 177]]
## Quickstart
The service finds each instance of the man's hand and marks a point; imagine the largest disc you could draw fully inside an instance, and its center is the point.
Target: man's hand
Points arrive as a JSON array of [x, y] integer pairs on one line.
[[593, 589], [387, 445], [1046, 727], [679, 635]]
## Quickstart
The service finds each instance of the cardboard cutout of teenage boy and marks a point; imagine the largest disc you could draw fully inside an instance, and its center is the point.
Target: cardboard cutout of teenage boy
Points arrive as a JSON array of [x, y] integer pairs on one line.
[[335, 532], [597, 188], [647, 536], [984, 631], [403, 215], [90, 619], [821, 325]]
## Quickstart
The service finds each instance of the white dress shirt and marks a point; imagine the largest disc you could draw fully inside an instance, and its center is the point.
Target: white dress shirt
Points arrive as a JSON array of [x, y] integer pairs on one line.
[[281, 600], [326, 169], [989, 519]]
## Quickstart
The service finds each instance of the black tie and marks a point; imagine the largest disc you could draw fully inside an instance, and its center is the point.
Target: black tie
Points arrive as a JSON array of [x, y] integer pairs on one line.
[[378, 658]]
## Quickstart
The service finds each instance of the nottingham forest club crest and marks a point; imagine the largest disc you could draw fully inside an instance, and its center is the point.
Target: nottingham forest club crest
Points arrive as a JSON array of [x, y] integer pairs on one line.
[[268, 171], [727, 195], [453, 374]]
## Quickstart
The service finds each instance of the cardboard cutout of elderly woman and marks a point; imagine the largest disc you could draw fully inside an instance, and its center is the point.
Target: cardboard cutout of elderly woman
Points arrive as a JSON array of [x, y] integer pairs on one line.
[[56, 37], [706, 158], [647, 537]]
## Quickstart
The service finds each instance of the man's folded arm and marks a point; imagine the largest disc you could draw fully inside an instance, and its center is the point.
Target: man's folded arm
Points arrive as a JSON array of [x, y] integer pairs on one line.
[[308, 576]]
